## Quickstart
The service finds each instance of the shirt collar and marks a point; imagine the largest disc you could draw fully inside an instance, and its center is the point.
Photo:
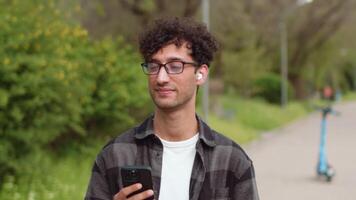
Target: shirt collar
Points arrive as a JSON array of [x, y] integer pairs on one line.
[[205, 133]]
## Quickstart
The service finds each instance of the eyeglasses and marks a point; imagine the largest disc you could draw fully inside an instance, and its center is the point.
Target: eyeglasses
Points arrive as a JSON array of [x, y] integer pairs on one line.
[[171, 67]]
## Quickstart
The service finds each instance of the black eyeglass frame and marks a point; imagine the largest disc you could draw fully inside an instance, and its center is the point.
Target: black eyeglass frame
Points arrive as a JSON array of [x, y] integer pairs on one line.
[[145, 66]]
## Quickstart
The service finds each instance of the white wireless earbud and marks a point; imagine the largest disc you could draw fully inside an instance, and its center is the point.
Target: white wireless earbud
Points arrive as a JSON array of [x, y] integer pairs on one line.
[[199, 76]]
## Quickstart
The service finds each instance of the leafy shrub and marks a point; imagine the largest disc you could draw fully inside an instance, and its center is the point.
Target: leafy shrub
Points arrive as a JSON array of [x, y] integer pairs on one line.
[[119, 95], [55, 81], [242, 68], [268, 87]]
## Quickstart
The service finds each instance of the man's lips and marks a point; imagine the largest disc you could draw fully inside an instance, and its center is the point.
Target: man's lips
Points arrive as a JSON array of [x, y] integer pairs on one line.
[[164, 91]]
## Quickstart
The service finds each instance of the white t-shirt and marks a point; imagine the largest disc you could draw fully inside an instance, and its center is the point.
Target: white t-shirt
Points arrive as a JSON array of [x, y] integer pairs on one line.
[[177, 164]]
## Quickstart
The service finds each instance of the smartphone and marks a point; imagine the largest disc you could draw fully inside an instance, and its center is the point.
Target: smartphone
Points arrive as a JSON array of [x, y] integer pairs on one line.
[[137, 174]]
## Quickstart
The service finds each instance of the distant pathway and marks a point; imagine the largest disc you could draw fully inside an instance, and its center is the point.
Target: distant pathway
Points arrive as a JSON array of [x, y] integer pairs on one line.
[[285, 160]]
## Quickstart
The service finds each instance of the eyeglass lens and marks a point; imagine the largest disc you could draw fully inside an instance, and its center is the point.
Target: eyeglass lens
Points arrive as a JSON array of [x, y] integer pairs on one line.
[[174, 67]]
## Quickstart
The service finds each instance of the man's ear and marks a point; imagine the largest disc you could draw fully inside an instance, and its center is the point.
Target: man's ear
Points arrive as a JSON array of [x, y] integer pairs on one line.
[[201, 74]]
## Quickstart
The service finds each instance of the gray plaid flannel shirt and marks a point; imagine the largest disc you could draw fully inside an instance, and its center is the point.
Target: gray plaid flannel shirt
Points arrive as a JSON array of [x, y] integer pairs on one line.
[[221, 169]]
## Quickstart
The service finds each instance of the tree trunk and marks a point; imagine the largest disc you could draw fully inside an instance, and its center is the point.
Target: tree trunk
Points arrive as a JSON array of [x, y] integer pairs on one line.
[[298, 86]]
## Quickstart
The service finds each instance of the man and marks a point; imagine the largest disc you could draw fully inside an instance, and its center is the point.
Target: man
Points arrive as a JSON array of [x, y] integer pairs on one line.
[[188, 159]]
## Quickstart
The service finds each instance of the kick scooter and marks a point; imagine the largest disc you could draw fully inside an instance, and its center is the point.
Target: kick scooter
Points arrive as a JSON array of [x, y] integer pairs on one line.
[[323, 168]]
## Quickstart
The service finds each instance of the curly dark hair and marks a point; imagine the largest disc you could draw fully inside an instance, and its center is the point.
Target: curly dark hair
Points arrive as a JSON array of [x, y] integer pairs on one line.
[[177, 31]]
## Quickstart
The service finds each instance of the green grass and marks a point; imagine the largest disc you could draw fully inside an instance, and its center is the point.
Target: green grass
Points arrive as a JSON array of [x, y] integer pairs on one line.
[[232, 129], [50, 176], [246, 119], [351, 96]]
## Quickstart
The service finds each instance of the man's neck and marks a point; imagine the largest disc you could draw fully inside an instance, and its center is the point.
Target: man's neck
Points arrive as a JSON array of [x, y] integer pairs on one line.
[[175, 126]]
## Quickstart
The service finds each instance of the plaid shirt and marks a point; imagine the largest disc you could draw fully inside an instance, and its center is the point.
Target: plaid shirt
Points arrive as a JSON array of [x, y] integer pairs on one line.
[[221, 169]]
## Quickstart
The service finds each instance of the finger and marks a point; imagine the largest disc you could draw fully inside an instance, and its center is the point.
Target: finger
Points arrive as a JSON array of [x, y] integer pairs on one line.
[[124, 192], [142, 195]]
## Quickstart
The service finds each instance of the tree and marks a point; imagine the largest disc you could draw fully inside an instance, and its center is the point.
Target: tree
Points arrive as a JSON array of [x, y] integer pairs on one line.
[[322, 21], [309, 27], [128, 17], [247, 30]]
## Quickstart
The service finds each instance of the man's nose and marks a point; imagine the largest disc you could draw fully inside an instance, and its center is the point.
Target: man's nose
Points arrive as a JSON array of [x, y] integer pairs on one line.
[[162, 75]]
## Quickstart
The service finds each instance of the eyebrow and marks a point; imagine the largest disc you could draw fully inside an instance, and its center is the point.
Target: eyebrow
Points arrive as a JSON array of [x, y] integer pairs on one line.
[[168, 60]]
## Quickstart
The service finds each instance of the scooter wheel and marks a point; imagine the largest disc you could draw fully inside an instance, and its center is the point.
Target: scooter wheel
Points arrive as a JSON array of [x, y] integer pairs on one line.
[[329, 178], [330, 174]]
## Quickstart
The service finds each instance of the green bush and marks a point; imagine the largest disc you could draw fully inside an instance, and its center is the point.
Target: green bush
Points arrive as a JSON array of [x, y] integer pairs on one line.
[[242, 68], [56, 82], [268, 87], [119, 95], [52, 177]]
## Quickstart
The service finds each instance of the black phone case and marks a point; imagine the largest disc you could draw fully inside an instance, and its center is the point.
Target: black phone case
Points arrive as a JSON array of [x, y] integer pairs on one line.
[[137, 174]]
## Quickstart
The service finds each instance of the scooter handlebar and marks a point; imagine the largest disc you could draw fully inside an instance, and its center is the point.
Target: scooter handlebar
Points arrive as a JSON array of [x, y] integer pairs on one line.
[[327, 110]]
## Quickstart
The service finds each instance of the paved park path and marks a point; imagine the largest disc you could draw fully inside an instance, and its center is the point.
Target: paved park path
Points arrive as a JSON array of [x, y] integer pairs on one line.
[[285, 160]]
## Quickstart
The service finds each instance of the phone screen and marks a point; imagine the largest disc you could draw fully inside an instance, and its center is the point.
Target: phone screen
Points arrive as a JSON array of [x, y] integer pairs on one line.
[[137, 174]]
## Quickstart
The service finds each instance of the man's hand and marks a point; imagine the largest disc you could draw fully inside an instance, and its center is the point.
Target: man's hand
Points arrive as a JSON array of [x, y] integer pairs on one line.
[[124, 192]]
